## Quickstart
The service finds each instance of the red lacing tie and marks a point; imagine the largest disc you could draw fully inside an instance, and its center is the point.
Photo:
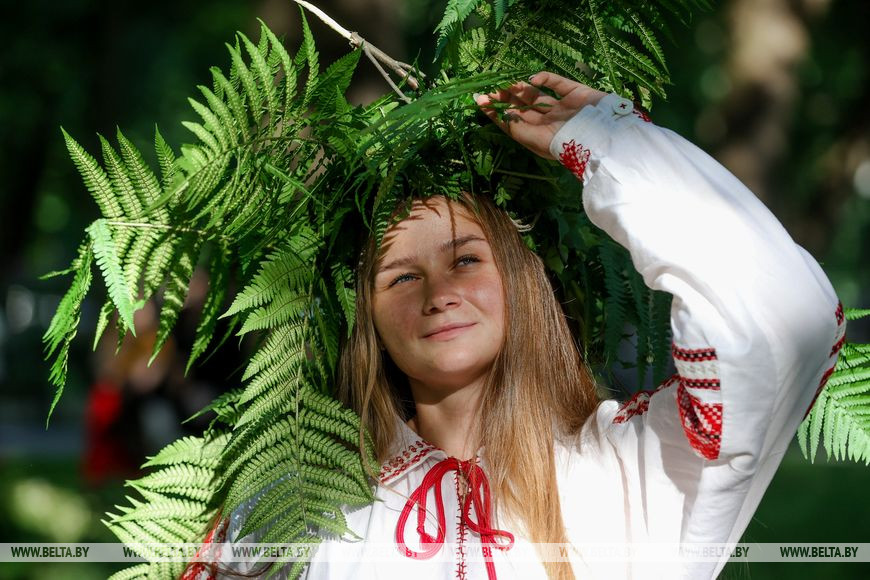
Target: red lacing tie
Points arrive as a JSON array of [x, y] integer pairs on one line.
[[476, 479]]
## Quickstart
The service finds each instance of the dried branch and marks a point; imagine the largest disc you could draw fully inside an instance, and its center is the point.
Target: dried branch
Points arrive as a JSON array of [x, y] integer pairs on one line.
[[376, 55]]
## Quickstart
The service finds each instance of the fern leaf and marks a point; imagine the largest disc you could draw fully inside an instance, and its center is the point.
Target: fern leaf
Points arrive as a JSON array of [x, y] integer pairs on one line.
[[143, 179], [335, 80], [647, 37], [602, 42], [113, 275], [264, 77], [64, 324], [137, 572], [254, 98], [177, 286], [309, 52], [214, 128], [614, 307], [282, 341], [281, 271], [454, 15], [196, 451], [121, 183], [342, 277], [219, 270], [287, 305], [95, 178], [103, 319], [288, 66], [158, 509], [234, 100], [856, 313], [165, 158]]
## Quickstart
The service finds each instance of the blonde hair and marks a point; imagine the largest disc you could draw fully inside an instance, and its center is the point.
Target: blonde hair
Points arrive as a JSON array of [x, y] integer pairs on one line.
[[536, 390]]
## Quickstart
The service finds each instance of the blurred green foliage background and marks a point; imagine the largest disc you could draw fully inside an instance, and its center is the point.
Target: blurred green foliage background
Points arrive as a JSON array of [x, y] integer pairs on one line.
[[778, 90]]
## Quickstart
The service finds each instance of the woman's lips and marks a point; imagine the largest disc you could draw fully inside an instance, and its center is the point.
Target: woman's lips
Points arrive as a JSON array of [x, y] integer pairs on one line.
[[449, 331]]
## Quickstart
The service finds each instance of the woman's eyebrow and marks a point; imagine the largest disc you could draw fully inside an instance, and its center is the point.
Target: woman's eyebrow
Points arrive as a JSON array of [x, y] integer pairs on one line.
[[451, 244]]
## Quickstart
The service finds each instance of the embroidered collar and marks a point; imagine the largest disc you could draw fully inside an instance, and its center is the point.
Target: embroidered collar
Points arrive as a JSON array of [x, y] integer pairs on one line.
[[409, 451]]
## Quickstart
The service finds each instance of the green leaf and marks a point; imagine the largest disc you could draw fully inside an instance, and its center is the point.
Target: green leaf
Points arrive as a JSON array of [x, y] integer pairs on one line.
[[121, 183], [95, 178], [113, 275], [343, 279], [309, 52], [177, 286], [454, 15], [64, 324], [219, 272]]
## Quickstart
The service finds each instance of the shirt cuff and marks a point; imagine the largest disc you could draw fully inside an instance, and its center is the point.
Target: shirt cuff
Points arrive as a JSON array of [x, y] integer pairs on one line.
[[591, 128]]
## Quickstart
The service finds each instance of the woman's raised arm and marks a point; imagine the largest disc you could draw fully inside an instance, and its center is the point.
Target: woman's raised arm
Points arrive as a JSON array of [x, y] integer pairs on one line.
[[756, 324]]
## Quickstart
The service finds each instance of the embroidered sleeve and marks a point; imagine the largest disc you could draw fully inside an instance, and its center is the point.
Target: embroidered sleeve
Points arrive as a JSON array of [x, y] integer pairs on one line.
[[754, 322]]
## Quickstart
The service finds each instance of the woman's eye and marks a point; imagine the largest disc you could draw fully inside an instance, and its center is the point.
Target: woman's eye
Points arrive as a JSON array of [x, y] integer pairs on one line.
[[400, 279], [469, 259]]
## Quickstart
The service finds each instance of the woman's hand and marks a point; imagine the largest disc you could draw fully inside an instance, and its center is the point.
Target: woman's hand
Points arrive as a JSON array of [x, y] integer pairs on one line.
[[538, 116]]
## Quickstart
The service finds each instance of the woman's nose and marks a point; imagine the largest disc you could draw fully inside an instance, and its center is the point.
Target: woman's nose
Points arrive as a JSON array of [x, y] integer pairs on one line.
[[440, 295]]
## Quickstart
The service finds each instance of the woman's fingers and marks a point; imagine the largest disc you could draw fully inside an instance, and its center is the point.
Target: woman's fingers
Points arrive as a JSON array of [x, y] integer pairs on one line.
[[559, 84], [518, 111], [525, 93]]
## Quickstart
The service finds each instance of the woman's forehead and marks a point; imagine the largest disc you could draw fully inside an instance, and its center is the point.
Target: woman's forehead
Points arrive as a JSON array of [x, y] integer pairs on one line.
[[431, 222]]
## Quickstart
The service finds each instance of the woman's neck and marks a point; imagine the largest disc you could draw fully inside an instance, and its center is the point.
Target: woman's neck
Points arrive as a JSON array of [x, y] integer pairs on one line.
[[448, 421]]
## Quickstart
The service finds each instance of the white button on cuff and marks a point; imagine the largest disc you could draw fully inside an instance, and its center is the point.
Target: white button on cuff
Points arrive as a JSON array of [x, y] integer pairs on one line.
[[622, 106]]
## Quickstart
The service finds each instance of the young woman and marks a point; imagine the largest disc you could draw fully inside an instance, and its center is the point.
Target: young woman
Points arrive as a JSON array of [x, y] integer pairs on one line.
[[463, 368]]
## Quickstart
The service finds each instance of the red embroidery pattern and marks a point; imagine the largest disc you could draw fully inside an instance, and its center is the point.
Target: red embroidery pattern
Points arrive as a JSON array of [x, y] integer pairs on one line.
[[699, 399], [575, 157], [411, 456], [696, 355], [702, 423], [460, 535], [712, 384], [840, 339], [218, 535], [638, 404], [642, 114], [837, 346]]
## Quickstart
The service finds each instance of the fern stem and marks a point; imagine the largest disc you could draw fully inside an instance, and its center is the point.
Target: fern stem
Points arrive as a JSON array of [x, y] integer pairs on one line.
[[374, 53], [384, 74]]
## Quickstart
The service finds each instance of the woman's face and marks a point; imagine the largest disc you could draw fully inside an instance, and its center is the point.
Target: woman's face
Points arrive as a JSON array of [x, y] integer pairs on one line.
[[438, 303]]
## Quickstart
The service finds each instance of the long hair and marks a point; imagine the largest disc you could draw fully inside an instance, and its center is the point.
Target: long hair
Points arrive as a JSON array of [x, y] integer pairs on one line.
[[538, 388]]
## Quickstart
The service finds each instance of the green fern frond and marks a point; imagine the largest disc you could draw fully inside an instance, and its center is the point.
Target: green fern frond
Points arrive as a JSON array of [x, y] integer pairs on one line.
[[144, 181], [187, 481], [166, 160], [615, 310], [113, 275], [121, 184], [175, 292], [218, 280], [137, 572], [95, 178], [840, 416], [308, 54], [264, 77], [234, 101], [251, 92], [454, 15], [856, 313], [283, 270], [64, 324], [197, 451]]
